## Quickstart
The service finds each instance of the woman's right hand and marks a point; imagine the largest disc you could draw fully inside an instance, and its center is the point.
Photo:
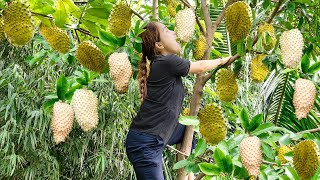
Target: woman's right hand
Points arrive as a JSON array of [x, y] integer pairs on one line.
[[225, 60]]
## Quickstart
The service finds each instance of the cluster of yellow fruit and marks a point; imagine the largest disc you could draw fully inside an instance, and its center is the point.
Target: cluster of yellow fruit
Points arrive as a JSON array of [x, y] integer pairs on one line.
[[56, 37], [238, 20], [120, 19], [172, 6], [226, 85], [200, 47], [259, 71], [17, 25], [84, 107], [213, 126], [264, 30]]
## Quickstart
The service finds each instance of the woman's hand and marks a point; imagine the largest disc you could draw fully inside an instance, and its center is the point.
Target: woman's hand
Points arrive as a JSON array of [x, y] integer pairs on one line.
[[225, 60]]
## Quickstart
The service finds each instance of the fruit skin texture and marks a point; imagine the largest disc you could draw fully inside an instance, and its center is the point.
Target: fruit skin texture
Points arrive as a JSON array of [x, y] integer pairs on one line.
[[120, 71], [238, 20], [306, 158], [291, 44], [267, 28], [2, 35], [85, 106], [226, 85], [303, 97], [213, 125], [120, 19], [172, 6], [185, 22], [281, 152], [90, 56], [62, 121], [18, 23], [259, 71], [251, 155], [201, 45], [56, 37], [186, 112]]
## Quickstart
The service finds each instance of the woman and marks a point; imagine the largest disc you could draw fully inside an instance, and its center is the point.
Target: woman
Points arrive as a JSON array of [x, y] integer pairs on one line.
[[156, 123]]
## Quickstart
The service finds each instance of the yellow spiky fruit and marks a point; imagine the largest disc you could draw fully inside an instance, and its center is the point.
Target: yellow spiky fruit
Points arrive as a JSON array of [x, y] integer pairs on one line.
[[291, 44], [18, 23], [306, 158], [85, 105], [2, 35], [56, 37], [201, 46], [281, 152], [186, 112], [185, 22], [303, 97], [264, 30], [226, 85], [172, 6], [238, 20], [90, 56], [251, 155], [62, 121], [120, 19], [213, 125], [120, 71], [259, 71]]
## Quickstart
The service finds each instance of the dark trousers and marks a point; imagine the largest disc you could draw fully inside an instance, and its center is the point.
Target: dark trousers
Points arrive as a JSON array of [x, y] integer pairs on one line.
[[145, 152]]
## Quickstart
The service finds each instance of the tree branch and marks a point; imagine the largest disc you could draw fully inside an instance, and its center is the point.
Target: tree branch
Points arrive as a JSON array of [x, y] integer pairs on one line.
[[185, 2], [237, 56], [38, 14], [201, 175], [155, 10], [137, 14], [206, 15], [310, 130]]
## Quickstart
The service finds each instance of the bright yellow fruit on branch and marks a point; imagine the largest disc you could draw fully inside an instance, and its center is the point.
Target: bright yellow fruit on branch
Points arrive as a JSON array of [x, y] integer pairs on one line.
[[306, 158], [201, 46], [2, 35], [281, 152], [120, 19], [18, 23], [90, 56], [226, 85], [56, 37], [172, 6], [213, 125], [259, 71], [238, 20]]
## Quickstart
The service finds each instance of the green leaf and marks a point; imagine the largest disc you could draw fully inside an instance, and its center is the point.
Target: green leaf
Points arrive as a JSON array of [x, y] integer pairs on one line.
[[241, 48], [181, 164], [62, 87], [216, 52], [209, 169], [219, 158], [284, 140], [82, 81], [291, 173], [98, 12], [200, 148], [244, 119], [229, 164], [37, 57], [267, 150], [107, 38], [263, 128], [72, 8], [188, 120], [137, 46], [249, 43], [255, 122], [49, 103], [305, 63], [92, 27], [266, 4], [314, 68], [60, 15]]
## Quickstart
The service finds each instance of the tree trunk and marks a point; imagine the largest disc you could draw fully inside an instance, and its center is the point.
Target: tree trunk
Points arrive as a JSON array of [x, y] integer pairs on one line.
[[155, 10]]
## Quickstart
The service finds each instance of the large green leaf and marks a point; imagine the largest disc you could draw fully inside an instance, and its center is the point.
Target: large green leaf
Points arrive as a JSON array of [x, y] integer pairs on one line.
[[200, 148], [60, 14], [209, 169], [244, 119], [62, 87]]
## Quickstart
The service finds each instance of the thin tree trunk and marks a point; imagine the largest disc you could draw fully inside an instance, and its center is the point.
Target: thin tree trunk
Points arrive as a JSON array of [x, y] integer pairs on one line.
[[155, 10]]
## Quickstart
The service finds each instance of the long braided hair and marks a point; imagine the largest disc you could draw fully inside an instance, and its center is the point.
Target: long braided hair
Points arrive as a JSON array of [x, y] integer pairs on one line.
[[149, 37]]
